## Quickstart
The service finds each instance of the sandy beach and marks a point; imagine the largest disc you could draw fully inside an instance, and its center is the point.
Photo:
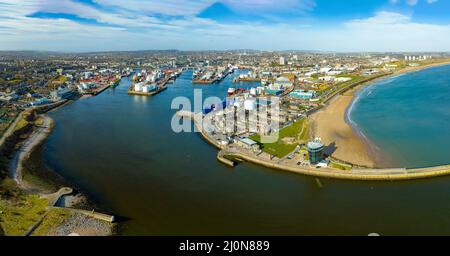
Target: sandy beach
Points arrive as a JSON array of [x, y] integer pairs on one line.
[[330, 124], [343, 143]]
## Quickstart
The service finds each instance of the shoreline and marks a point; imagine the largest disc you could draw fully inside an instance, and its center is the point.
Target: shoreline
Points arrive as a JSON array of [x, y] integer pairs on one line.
[[333, 123], [23, 153], [356, 174], [39, 134], [380, 159]]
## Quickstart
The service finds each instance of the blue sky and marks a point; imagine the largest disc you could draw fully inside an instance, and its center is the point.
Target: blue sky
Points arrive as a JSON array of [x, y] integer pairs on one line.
[[326, 25]]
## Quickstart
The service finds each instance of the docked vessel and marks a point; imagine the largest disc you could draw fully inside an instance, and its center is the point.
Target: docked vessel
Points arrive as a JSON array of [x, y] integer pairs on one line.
[[233, 91], [115, 83]]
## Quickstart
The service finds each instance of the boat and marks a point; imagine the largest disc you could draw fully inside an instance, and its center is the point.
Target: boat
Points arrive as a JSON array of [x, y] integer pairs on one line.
[[115, 83], [231, 91]]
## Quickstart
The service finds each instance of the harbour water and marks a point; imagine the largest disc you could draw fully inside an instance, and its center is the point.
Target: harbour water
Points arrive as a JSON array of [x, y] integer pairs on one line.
[[407, 118], [122, 151]]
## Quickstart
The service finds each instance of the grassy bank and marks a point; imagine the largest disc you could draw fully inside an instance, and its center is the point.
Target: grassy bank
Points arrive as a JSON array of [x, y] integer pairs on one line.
[[289, 138], [52, 220], [23, 205], [19, 211]]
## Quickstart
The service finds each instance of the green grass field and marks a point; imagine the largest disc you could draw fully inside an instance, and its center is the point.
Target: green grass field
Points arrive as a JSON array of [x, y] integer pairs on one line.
[[54, 218], [339, 166], [298, 131], [21, 124], [18, 215]]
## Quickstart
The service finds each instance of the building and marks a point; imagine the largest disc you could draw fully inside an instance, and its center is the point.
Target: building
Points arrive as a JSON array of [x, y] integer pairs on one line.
[[39, 102], [282, 61], [248, 144], [275, 92], [9, 97], [315, 151], [282, 82], [61, 94], [302, 94], [342, 79], [327, 78]]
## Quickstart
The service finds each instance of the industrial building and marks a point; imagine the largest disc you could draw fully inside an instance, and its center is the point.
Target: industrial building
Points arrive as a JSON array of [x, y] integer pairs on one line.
[[302, 94], [62, 94], [248, 144], [282, 82]]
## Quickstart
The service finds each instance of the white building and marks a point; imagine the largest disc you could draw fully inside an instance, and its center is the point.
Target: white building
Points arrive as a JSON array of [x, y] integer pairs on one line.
[[282, 82], [327, 78], [342, 79]]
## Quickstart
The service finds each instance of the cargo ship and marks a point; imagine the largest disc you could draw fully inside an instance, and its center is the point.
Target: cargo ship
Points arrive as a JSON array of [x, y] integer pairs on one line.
[[115, 83], [233, 91]]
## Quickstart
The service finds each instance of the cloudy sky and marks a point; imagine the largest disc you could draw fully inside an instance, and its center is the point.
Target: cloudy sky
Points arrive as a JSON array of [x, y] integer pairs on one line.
[[327, 25]]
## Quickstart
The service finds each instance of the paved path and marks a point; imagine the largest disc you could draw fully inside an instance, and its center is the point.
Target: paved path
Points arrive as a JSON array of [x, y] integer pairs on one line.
[[11, 128]]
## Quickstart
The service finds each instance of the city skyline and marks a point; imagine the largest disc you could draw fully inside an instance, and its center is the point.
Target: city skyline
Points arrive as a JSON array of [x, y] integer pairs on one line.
[[319, 25]]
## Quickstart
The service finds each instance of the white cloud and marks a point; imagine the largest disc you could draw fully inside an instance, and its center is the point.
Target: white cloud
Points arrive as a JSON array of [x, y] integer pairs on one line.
[[412, 2], [397, 32], [383, 18], [256, 6], [133, 30], [166, 7]]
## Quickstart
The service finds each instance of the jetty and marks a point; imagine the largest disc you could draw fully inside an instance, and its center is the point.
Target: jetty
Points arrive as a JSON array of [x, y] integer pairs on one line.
[[159, 88], [246, 79], [204, 81], [97, 91]]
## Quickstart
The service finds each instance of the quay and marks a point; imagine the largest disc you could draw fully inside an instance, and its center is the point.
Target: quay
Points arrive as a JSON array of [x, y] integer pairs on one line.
[[223, 159], [100, 90], [160, 87], [213, 79], [247, 79], [202, 81], [93, 214], [158, 90]]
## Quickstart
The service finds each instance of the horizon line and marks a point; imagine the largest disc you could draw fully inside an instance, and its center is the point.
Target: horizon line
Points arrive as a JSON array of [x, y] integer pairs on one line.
[[221, 50]]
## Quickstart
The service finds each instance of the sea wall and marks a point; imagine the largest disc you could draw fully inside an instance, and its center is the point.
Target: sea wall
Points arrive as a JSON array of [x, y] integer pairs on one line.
[[393, 174]]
